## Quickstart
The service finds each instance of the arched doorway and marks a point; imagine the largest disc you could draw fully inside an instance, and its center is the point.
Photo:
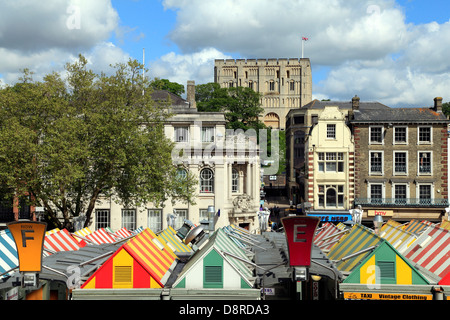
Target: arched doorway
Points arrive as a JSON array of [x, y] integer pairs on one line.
[[272, 120]]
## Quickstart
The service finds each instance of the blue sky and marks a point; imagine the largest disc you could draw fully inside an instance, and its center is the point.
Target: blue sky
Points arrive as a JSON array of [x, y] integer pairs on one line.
[[390, 51]]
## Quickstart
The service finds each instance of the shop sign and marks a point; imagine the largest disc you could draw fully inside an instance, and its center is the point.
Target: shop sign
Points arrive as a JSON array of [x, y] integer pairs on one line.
[[384, 213], [299, 233], [29, 239], [386, 296], [331, 217]]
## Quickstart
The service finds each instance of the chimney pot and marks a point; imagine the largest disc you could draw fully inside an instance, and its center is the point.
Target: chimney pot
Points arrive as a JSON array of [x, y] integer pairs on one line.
[[355, 103], [191, 94], [438, 104]]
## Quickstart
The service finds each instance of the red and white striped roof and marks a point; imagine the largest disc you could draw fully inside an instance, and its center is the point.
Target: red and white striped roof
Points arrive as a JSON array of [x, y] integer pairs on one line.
[[122, 233], [432, 251], [61, 240], [100, 236], [327, 236]]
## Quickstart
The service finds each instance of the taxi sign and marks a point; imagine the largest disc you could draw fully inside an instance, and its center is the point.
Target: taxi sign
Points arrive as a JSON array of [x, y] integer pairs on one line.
[[300, 233], [29, 238]]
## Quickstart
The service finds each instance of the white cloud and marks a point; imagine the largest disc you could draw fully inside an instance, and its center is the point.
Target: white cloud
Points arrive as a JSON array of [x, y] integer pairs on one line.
[[43, 37], [198, 66], [371, 49]]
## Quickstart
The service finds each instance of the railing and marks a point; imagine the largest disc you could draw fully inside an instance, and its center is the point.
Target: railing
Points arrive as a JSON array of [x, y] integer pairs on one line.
[[402, 202]]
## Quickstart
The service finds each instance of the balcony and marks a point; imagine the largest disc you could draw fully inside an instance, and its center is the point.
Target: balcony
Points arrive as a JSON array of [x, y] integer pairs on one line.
[[401, 202]]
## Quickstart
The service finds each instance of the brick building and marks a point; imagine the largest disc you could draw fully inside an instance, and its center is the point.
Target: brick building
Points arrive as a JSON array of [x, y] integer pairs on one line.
[[401, 164]]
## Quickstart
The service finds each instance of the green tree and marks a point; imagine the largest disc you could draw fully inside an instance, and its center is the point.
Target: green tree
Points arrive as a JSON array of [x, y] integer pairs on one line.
[[164, 84], [67, 143], [446, 108]]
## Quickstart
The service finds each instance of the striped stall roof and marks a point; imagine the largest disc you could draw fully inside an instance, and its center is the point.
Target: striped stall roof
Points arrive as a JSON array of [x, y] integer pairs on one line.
[[122, 233], [154, 256], [445, 224], [225, 244], [8, 252], [235, 236], [416, 226], [170, 237], [82, 233], [61, 240], [353, 248], [328, 235], [100, 236], [400, 239], [432, 251]]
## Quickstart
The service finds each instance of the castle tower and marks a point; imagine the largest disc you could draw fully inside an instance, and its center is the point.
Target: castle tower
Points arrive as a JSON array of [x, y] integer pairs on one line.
[[284, 84]]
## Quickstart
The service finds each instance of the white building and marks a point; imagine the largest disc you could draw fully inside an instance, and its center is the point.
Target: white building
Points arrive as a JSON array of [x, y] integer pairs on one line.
[[225, 164]]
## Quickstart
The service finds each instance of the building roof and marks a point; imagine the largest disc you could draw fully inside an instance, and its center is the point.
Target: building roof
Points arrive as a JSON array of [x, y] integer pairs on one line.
[[402, 115], [369, 105], [164, 96]]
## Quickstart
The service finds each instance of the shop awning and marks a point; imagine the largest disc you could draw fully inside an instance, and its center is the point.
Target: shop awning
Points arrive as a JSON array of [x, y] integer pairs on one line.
[[416, 226]]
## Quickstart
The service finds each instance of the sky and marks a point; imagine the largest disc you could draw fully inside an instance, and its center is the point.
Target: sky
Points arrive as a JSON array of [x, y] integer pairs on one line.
[[394, 52]]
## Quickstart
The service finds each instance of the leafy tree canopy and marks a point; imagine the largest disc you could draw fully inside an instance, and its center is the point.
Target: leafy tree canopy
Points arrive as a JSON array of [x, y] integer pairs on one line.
[[164, 84], [69, 143]]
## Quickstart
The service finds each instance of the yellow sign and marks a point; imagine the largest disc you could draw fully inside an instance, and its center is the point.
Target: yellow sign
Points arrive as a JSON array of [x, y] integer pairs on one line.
[[380, 212], [386, 296], [29, 239]]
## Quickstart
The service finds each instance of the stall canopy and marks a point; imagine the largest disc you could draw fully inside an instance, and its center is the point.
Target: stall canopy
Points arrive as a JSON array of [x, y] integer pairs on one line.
[[432, 251], [416, 226], [60, 240], [141, 262], [385, 265], [8, 252], [355, 246], [328, 235], [400, 239], [173, 241], [220, 263], [100, 236]]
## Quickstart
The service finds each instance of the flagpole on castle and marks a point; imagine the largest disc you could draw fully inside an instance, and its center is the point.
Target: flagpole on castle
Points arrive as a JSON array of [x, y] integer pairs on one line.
[[303, 41]]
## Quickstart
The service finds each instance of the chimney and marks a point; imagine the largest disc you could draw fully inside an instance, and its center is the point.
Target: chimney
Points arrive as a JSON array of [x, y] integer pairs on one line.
[[191, 94], [355, 103], [437, 104]]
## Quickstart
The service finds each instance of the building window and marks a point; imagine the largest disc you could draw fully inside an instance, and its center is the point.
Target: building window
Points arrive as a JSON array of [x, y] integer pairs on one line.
[[400, 162], [425, 193], [376, 135], [292, 85], [250, 84], [129, 219], [271, 86], [102, 219], [425, 162], [424, 135], [331, 161], [181, 134], [207, 134], [400, 135], [331, 131], [154, 218], [182, 214], [234, 181], [206, 181], [376, 193], [400, 193], [331, 196], [376, 162], [299, 119]]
